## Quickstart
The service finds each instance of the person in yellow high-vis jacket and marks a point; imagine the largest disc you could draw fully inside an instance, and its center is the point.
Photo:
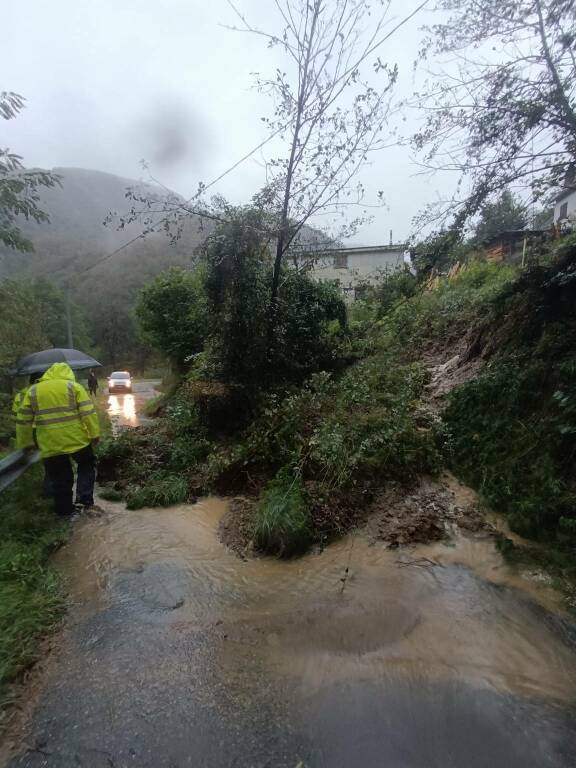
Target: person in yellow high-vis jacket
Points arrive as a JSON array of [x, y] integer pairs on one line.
[[61, 415], [16, 405]]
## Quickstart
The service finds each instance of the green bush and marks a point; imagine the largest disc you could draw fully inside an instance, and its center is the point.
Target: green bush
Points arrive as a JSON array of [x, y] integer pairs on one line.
[[394, 287], [513, 436], [444, 311], [161, 490], [365, 425], [282, 525], [310, 316]]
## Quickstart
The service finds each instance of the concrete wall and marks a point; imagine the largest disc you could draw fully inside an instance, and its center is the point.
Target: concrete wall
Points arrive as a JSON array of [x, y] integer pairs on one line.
[[362, 264]]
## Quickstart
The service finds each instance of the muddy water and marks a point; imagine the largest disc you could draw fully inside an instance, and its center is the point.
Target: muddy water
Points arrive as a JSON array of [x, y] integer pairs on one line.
[[178, 654], [441, 611]]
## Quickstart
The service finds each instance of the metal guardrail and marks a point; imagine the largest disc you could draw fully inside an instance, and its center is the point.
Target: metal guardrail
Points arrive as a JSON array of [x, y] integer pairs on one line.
[[14, 465]]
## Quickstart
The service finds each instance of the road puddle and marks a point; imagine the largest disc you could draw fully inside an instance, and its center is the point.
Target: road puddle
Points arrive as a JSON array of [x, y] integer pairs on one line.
[[443, 611], [126, 411]]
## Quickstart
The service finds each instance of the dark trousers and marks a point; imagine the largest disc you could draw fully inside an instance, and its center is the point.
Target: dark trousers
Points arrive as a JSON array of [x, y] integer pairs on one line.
[[61, 474]]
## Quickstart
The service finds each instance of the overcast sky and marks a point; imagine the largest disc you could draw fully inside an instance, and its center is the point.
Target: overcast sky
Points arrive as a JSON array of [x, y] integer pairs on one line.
[[113, 82]]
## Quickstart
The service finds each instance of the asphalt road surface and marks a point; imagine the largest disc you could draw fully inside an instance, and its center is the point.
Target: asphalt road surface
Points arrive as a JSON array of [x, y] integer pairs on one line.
[[177, 653]]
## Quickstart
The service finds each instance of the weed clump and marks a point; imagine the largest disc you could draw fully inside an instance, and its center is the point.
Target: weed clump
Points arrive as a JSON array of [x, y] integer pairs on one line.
[[282, 525], [162, 490]]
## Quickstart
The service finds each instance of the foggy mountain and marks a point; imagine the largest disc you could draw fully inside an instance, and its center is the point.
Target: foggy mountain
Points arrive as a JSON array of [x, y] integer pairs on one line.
[[78, 249], [76, 238]]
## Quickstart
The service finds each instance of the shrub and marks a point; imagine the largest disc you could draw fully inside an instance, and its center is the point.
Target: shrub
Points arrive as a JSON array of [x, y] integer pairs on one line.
[[161, 490], [282, 524], [513, 436]]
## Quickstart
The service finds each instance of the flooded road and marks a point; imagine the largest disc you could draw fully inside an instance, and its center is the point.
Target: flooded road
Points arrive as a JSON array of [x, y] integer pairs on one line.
[[177, 653], [127, 410]]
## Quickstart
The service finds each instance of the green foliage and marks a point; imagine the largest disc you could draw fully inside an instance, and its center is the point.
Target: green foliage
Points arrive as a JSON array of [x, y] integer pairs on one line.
[[31, 596], [309, 320], [364, 426], [445, 311], [114, 331], [32, 317], [172, 313], [436, 252], [507, 212], [110, 494], [282, 525], [161, 490], [20, 188], [513, 436], [398, 286], [513, 429]]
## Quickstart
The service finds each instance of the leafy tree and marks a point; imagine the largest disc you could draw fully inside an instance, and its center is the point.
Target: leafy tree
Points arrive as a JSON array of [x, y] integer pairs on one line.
[[437, 251], [330, 117], [172, 313], [327, 111], [114, 331], [503, 108], [19, 187], [310, 315], [237, 287], [21, 326], [505, 213]]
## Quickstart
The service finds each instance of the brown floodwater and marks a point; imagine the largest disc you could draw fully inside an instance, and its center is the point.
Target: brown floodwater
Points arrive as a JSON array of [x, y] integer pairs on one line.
[[355, 611]]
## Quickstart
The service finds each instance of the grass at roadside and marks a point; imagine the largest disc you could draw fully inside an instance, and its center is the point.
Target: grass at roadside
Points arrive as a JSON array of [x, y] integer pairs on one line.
[[31, 594]]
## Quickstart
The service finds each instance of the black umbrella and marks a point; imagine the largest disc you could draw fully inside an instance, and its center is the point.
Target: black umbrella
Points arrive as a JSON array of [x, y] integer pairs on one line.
[[41, 361]]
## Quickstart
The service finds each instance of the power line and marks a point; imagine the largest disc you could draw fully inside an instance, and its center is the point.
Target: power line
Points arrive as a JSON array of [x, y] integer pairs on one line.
[[203, 214], [245, 157]]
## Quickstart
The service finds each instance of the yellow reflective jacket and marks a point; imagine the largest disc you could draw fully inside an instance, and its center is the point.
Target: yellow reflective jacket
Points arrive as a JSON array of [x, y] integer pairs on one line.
[[18, 400], [61, 413]]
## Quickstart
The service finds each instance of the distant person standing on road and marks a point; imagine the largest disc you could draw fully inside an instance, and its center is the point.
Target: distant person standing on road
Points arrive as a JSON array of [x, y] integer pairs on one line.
[[92, 384], [61, 415]]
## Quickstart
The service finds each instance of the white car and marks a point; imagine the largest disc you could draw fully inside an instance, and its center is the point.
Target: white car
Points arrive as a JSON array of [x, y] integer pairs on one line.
[[119, 382]]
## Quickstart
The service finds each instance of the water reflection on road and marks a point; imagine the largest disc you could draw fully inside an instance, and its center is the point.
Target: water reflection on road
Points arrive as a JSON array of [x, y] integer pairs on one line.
[[126, 411], [123, 407]]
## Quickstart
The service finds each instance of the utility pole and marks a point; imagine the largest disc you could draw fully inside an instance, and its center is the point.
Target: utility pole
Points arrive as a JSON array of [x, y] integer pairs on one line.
[[69, 319]]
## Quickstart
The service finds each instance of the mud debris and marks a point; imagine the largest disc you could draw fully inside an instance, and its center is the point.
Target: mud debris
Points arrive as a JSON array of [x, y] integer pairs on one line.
[[424, 513], [236, 526]]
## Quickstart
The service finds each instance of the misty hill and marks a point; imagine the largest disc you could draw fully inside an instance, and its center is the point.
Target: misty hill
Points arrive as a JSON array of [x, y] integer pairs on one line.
[[77, 238], [76, 247]]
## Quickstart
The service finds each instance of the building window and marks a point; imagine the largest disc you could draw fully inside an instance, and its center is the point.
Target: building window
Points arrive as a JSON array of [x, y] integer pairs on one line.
[[564, 210], [341, 261]]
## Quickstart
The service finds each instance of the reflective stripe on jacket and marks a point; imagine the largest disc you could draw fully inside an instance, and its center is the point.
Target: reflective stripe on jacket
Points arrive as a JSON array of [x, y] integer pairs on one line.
[[61, 413]]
